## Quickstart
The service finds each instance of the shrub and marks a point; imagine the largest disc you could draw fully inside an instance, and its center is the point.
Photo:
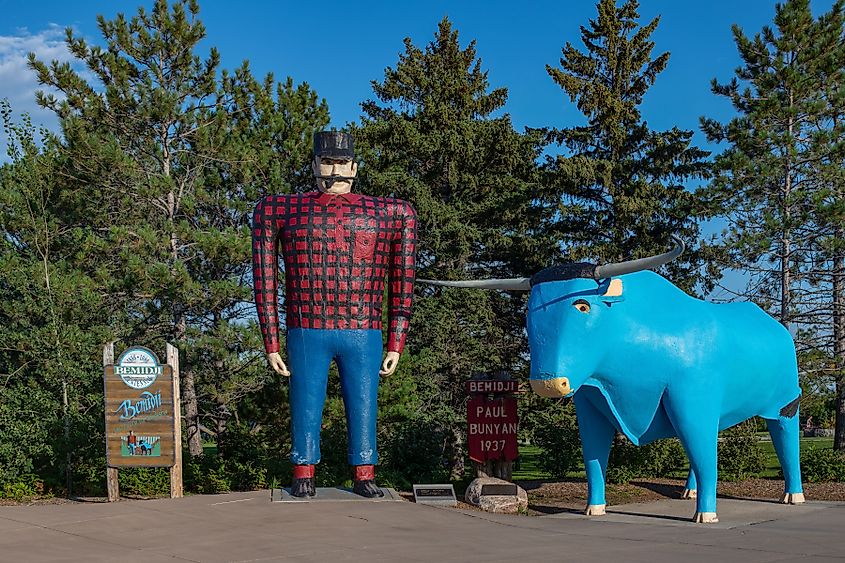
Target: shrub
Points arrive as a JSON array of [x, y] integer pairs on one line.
[[822, 464], [206, 475], [620, 475], [661, 458], [414, 452], [209, 474], [23, 488], [739, 455], [145, 481], [556, 433]]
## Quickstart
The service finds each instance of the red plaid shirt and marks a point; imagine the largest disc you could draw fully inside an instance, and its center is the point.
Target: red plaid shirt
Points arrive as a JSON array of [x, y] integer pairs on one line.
[[337, 251]]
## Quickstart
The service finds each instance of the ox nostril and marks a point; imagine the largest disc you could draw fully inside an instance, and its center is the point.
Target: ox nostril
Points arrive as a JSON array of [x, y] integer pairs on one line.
[[554, 387]]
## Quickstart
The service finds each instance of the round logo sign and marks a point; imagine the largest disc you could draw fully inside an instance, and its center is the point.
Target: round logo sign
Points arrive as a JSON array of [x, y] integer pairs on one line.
[[138, 368]]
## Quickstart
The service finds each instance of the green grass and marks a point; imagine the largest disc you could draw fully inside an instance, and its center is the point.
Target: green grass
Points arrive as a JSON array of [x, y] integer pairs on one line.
[[529, 464], [772, 463]]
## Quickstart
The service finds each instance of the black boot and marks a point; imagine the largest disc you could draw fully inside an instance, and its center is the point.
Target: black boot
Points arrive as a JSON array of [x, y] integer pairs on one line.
[[367, 488], [303, 487]]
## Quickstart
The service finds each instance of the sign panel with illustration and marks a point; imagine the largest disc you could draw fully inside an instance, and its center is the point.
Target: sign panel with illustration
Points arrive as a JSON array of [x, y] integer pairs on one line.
[[139, 411]]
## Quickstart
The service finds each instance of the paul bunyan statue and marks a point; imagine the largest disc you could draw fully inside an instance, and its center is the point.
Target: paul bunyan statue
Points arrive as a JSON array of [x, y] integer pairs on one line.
[[639, 356], [338, 248]]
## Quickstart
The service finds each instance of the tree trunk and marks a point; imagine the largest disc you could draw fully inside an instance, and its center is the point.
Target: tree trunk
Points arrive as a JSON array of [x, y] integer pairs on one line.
[[786, 242], [839, 340], [189, 398], [457, 462], [180, 322]]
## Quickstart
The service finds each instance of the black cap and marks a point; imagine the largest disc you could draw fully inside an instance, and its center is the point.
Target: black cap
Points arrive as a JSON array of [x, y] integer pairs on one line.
[[334, 144]]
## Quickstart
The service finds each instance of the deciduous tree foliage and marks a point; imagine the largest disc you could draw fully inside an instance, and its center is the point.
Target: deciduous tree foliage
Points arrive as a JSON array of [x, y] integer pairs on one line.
[[53, 316]]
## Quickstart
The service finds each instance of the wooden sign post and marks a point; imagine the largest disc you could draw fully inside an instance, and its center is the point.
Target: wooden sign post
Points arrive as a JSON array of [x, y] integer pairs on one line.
[[143, 414]]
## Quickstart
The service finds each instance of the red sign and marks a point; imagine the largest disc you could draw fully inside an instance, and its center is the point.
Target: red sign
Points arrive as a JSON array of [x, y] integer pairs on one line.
[[485, 386], [491, 428]]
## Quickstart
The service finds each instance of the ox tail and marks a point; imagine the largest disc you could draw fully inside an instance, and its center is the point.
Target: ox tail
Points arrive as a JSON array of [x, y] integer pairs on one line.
[[789, 410]]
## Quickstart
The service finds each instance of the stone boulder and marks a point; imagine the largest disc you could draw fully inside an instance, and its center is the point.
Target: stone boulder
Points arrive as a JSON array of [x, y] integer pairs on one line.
[[502, 504]]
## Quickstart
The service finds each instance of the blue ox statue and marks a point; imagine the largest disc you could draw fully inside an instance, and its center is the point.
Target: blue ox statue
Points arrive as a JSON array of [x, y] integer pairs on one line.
[[639, 356]]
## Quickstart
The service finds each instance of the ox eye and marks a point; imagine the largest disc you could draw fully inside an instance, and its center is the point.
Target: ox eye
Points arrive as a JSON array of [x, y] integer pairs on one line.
[[582, 306]]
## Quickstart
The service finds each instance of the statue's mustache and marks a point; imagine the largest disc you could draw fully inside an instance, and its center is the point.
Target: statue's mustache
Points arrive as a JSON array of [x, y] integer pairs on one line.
[[330, 180]]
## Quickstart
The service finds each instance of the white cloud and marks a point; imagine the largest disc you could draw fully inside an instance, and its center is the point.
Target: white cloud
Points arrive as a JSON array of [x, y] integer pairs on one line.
[[18, 82]]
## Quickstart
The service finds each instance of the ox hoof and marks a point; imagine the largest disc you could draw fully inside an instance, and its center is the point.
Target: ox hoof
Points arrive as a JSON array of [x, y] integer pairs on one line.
[[595, 509], [705, 518], [793, 498], [690, 494]]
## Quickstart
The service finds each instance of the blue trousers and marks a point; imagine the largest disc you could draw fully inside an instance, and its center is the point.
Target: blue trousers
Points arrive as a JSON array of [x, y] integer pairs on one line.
[[358, 357]]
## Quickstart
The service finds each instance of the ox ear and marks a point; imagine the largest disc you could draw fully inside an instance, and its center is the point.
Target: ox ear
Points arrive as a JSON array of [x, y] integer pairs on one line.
[[612, 291]]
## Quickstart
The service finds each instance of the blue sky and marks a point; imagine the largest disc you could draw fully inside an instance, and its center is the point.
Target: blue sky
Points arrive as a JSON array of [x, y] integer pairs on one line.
[[339, 47]]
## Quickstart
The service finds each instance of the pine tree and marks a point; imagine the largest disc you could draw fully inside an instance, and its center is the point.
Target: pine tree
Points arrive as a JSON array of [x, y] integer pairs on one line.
[[172, 155], [621, 184], [429, 137], [824, 295], [779, 182], [763, 177]]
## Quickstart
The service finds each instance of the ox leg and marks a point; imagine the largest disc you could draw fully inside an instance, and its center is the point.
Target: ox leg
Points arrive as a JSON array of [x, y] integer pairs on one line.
[[699, 434], [785, 435], [596, 438], [691, 488]]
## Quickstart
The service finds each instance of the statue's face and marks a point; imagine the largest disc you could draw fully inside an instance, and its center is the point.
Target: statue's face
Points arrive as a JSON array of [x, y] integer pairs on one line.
[[325, 168]]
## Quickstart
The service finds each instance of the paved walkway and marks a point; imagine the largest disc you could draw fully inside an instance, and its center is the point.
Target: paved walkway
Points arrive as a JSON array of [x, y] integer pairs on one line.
[[248, 527]]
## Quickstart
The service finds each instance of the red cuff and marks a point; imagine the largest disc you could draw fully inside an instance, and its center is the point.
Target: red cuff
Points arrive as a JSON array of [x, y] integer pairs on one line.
[[365, 472], [303, 471]]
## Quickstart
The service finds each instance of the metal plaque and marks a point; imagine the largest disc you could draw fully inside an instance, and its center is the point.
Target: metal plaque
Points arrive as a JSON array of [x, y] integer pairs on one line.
[[498, 490], [442, 495]]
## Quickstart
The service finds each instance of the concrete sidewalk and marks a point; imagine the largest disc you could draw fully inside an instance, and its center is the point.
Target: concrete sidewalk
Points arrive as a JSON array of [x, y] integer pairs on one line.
[[248, 527]]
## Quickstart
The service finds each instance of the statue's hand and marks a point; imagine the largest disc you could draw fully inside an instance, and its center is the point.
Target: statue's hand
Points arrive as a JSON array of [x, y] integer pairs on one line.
[[278, 365], [388, 366]]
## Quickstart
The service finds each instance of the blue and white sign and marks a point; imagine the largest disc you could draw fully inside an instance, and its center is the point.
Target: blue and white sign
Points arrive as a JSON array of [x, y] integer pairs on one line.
[[138, 367]]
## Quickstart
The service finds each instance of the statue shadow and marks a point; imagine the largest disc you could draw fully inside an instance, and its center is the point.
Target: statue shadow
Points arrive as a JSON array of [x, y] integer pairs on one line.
[[667, 490], [544, 509]]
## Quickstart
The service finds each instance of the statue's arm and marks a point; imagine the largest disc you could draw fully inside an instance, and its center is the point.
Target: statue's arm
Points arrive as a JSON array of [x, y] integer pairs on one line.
[[267, 222], [403, 267]]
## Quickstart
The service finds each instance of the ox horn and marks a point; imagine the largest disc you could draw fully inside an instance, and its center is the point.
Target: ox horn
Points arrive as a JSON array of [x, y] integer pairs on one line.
[[511, 284], [620, 268]]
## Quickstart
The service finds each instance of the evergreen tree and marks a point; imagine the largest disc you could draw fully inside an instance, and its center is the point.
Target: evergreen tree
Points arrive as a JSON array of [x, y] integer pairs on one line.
[[170, 156], [763, 177], [780, 183], [621, 184], [824, 296], [429, 137]]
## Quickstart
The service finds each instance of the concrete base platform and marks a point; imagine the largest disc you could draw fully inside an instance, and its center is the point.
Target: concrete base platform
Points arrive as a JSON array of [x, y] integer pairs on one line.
[[334, 494], [248, 527], [732, 513]]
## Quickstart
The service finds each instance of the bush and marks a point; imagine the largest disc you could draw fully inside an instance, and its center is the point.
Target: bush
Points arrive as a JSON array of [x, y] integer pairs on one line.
[[145, 481], [739, 455], [661, 458], [822, 464], [620, 475], [23, 488], [556, 433], [414, 452], [211, 474]]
